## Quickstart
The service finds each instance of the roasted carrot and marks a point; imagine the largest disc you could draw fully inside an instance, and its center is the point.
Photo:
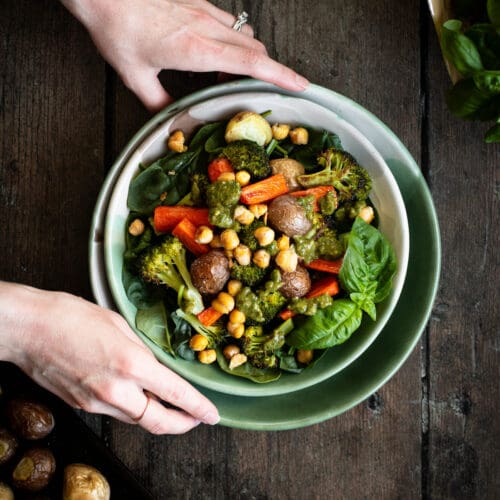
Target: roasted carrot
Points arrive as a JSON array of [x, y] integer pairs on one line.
[[185, 230], [264, 190], [218, 166], [326, 266], [208, 316], [167, 217], [318, 192], [328, 285]]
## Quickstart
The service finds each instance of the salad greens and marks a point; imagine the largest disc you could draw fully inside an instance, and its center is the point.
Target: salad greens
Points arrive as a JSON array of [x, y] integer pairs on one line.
[[280, 333], [472, 45]]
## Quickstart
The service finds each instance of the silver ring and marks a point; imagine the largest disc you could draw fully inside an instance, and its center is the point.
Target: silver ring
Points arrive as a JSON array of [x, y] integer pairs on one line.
[[241, 20]]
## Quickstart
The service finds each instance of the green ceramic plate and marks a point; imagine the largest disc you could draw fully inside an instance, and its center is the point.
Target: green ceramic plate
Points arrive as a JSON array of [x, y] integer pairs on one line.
[[397, 340]]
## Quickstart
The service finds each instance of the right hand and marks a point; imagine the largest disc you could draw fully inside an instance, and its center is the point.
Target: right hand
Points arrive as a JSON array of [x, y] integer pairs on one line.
[[90, 358]]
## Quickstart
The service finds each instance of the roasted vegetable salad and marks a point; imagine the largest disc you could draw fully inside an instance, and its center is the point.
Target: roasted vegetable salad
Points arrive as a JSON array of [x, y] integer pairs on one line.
[[254, 246]]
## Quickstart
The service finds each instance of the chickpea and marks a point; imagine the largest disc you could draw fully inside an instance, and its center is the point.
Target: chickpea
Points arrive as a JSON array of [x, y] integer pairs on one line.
[[236, 330], [237, 360], [234, 287], [207, 357], [243, 178], [299, 135], [280, 131], [176, 142], [243, 255], [283, 242], [224, 303], [304, 356], [216, 242], [261, 258], [287, 260], [203, 235], [243, 215], [237, 316], [230, 350], [367, 214], [198, 342], [226, 176], [264, 235], [136, 227], [258, 210], [229, 239]]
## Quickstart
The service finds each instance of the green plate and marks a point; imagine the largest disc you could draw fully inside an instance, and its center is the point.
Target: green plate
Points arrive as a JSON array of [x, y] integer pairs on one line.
[[397, 340]]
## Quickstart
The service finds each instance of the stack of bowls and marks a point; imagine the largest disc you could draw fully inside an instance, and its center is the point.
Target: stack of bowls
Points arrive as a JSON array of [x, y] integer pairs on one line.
[[346, 374]]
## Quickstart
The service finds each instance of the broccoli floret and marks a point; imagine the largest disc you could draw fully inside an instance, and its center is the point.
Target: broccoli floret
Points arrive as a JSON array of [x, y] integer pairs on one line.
[[341, 171], [165, 263], [265, 303], [328, 245], [214, 333], [247, 234], [262, 349], [250, 275], [222, 198], [248, 155], [199, 186]]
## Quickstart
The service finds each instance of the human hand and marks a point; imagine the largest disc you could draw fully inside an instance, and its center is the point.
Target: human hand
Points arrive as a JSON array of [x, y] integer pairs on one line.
[[90, 358], [139, 38]]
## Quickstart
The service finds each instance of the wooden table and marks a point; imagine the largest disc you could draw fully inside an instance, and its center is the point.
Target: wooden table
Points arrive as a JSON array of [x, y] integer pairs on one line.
[[433, 430]]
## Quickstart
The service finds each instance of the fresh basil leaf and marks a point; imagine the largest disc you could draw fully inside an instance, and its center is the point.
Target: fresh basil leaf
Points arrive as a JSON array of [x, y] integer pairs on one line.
[[493, 7], [488, 81], [330, 326], [365, 302], [487, 40], [464, 98], [248, 371], [319, 140], [154, 324], [493, 134], [459, 49]]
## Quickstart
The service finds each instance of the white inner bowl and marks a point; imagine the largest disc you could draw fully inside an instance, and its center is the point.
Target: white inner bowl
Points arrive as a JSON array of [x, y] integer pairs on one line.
[[385, 196]]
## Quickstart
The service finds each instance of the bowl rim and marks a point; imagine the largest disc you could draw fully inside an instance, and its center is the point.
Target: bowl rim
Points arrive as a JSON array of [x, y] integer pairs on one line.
[[235, 385]]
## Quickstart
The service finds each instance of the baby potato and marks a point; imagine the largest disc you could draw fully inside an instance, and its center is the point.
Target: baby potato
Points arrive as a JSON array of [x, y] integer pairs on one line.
[[35, 469], [29, 419], [84, 482]]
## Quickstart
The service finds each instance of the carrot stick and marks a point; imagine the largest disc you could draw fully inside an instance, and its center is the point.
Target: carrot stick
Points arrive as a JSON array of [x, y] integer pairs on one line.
[[208, 316], [186, 231], [326, 266], [264, 190], [318, 192], [328, 284], [167, 217], [218, 166]]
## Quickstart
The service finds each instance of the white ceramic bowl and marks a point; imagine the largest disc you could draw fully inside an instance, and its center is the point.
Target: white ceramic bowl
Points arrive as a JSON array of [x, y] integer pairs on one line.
[[385, 196]]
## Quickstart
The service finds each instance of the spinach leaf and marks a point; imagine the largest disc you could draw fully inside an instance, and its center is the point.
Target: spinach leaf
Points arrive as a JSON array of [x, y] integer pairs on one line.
[[153, 323], [140, 293], [168, 177], [368, 267], [459, 49], [248, 371], [319, 140], [330, 326], [180, 338]]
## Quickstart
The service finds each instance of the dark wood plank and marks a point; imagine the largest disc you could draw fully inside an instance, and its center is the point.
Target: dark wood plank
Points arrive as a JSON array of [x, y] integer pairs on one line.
[[463, 340], [52, 146], [373, 450]]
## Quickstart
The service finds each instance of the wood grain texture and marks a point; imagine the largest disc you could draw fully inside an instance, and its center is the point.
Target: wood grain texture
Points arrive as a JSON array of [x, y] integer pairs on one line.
[[464, 428]]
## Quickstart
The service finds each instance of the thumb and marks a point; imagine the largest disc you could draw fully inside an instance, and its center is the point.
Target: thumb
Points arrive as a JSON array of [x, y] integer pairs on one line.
[[147, 87]]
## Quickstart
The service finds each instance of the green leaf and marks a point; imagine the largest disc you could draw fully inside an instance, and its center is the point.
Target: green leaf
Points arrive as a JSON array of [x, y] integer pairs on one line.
[[493, 134], [154, 324], [248, 371], [493, 7], [330, 326], [464, 99], [368, 266], [487, 40], [459, 49], [487, 81]]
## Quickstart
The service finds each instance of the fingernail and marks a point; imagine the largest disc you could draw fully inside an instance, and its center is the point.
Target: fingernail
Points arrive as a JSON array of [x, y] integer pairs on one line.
[[302, 82], [211, 418]]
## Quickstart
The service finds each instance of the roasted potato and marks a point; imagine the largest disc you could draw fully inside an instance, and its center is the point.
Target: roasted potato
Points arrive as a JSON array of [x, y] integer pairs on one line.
[[6, 492], [29, 419], [8, 446], [84, 482], [35, 469]]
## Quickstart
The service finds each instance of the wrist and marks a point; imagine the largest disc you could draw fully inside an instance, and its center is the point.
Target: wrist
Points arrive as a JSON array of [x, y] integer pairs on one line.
[[16, 321]]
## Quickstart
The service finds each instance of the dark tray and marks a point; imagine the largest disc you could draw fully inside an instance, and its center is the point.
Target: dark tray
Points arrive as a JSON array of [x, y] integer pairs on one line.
[[71, 441]]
